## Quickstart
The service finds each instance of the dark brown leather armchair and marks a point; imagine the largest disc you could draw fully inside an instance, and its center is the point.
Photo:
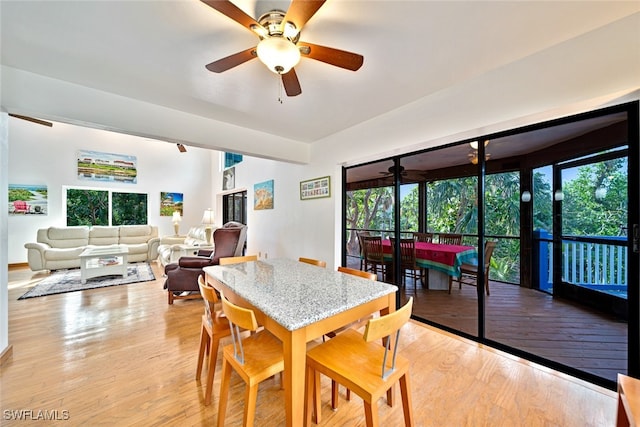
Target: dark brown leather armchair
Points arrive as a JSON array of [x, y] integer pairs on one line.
[[182, 276]]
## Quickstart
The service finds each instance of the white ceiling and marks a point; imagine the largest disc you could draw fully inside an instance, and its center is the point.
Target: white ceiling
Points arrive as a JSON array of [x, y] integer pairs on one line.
[[156, 51]]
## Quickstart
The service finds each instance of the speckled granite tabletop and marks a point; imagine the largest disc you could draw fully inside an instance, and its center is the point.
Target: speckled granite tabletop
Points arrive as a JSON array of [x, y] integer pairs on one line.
[[297, 294]]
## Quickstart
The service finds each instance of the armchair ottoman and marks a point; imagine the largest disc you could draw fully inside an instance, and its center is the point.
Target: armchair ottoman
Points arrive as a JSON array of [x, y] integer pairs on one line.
[[182, 277]]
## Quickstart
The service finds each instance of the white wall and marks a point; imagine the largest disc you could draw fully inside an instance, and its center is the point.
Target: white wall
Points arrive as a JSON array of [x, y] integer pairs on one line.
[[43, 155], [293, 228]]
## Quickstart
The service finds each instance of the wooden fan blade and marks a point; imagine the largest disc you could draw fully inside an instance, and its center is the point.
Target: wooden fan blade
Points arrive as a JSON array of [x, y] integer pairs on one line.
[[300, 11], [232, 11], [339, 58], [32, 120], [291, 83], [231, 61]]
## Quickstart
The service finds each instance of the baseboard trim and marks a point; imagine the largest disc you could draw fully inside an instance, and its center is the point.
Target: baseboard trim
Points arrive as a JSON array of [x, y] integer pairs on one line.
[[6, 354], [18, 266]]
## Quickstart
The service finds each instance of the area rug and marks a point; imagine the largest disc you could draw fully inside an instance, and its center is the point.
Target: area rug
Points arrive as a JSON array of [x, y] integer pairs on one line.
[[63, 281]]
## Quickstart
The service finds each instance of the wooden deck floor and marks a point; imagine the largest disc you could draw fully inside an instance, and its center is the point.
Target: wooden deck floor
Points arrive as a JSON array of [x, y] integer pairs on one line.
[[122, 356], [531, 321]]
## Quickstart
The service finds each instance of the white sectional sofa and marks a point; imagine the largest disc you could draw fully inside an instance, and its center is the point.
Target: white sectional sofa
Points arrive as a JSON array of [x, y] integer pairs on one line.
[[60, 247]]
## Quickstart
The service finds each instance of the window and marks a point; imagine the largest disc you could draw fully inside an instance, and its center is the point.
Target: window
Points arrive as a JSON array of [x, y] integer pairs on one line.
[[234, 207], [105, 207], [231, 159]]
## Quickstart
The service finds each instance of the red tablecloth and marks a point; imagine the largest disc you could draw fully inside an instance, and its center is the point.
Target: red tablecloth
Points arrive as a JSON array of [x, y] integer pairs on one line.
[[436, 256]]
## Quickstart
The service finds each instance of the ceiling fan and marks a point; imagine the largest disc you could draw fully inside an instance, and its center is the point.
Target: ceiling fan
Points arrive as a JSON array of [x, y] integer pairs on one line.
[[406, 175], [280, 47], [31, 119]]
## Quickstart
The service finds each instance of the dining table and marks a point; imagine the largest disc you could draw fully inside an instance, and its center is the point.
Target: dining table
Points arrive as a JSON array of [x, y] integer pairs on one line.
[[438, 257], [298, 303]]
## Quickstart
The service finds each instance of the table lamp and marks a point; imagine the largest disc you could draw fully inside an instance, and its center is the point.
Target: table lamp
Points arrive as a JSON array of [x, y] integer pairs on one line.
[[207, 220], [176, 222]]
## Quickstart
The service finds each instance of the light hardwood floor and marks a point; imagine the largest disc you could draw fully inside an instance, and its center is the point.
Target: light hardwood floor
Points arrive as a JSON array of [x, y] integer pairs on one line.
[[123, 356]]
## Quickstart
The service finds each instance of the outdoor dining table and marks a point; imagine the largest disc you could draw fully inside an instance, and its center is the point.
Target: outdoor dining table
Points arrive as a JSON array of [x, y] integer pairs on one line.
[[299, 302], [437, 257]]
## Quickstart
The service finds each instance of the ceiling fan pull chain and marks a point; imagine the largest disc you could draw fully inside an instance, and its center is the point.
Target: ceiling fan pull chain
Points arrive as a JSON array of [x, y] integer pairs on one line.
[[280, 85]]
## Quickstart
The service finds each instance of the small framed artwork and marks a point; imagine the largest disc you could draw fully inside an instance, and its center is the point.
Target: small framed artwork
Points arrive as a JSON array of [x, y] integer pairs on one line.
[[263, 195], [27, 199], [315, 188], [229, 179], [170, 203]]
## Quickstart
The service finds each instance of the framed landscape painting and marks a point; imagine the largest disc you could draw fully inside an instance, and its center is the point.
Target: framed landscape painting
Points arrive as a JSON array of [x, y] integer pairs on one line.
[[27, 199], [97, 166], [263, 195], [169, 203]]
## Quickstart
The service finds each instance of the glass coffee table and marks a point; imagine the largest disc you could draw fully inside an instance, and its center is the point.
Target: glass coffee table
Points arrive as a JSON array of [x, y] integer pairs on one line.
[[103, 261]]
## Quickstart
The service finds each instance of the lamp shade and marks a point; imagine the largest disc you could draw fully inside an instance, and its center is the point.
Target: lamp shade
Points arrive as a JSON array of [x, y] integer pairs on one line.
[[207, 218], [278, 54], [176, 217]]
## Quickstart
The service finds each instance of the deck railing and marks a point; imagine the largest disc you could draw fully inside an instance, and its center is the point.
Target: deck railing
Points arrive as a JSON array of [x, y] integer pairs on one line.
[[600, 265]]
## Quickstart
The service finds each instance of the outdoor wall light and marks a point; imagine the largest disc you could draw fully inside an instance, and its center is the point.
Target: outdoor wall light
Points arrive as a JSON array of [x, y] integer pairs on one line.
[[558, 196], [526, 196]]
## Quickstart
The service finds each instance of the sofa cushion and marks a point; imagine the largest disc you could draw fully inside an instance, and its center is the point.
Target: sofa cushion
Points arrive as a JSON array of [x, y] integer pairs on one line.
[[65, 237], [59, 254], [132, 234], [104, 235]]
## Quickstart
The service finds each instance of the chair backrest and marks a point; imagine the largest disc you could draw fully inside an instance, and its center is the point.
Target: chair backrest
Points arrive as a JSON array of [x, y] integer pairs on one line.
[[209, 297], [359, 235], [226, 241], [312, 261], [384, 327], [237, 259], [423, 237], [242, 239], [372, 248], [407, 251], [489, 246], [450, 239], [359, 273], [239, 319]]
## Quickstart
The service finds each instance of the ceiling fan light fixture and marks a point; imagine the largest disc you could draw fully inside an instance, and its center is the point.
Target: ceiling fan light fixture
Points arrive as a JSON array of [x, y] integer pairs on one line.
[[474, 144], [278, 53]]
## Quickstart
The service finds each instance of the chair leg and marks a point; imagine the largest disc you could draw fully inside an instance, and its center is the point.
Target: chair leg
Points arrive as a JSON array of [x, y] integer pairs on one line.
[[224, 392], [250, 398], [170, 297], [371, 414], [405, 390], [213, 358], [204, 338], [486, 283], [334, 395]]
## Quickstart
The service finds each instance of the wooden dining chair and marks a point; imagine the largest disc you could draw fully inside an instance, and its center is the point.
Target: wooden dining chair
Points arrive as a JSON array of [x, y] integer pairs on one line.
[[357, 324], [214, 327], [469, 271], [238, 259], [255, 358], [359, 235], [312, 261], [408, 264], [423, 237], [450, 239], [359, 273], [373, 254], [379, 367]]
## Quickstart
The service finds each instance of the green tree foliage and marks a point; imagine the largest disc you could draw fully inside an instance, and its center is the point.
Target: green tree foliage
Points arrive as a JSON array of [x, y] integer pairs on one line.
[[368, 209], [595, 202], [87, 207], [129, 208]]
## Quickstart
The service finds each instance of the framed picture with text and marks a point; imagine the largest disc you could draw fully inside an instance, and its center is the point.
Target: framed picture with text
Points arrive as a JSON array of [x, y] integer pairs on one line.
[[316, 188]]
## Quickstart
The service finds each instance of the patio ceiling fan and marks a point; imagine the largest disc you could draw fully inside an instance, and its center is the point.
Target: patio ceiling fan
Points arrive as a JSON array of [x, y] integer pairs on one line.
[[280, 47], [406, 175]]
